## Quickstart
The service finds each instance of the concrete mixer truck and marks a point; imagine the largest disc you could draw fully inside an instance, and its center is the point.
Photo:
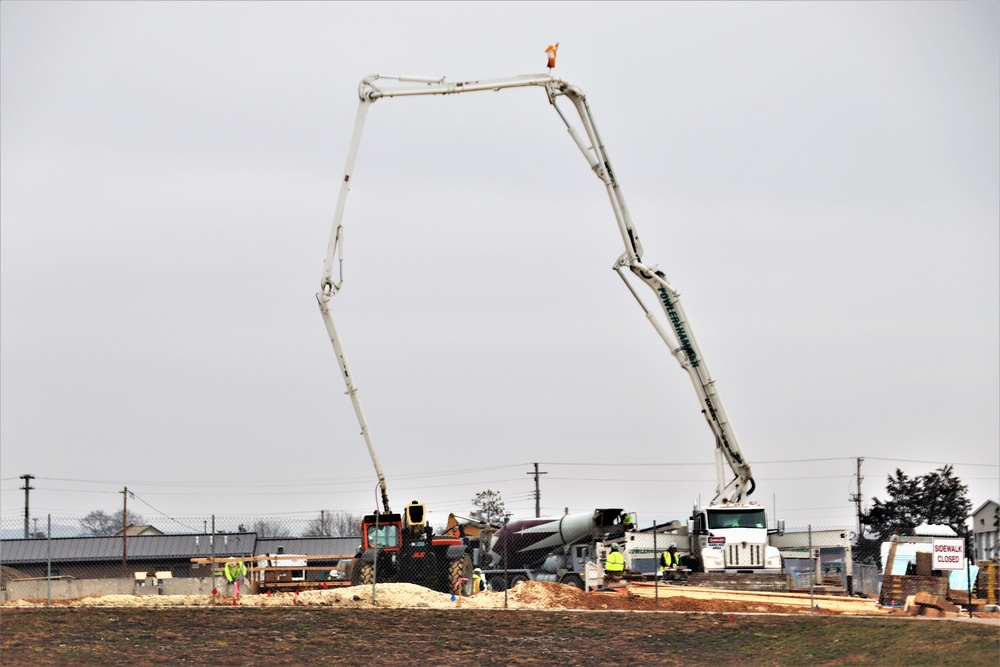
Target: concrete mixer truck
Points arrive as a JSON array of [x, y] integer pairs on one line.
[[550, 548]]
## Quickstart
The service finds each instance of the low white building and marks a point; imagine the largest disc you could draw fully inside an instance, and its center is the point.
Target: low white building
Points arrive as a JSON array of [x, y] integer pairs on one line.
[[985, 531]]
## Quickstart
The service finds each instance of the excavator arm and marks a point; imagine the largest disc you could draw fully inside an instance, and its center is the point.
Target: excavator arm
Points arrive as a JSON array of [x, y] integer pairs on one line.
[[679, 337]]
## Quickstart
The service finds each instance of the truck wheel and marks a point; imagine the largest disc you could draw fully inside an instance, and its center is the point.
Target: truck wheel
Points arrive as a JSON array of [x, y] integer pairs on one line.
[[574, 580], [459, 569], [498, 583], [366, 574], [516, 579]]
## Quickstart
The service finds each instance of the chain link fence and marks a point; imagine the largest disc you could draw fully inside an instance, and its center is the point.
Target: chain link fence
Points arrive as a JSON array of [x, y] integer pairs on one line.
[[289, 559]]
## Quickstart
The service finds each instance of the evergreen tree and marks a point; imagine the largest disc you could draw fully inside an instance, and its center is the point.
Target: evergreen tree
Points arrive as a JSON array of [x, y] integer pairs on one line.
[[489, 507], [945, 501], [937, 498], [901, 513]]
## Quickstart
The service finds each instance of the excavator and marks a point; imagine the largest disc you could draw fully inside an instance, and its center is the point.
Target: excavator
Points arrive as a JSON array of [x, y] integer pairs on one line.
[[730, 501]]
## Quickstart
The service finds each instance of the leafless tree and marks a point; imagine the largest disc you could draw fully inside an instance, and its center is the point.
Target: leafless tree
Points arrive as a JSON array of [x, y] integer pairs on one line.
[[269, 529], [99, 522], [334, 524]]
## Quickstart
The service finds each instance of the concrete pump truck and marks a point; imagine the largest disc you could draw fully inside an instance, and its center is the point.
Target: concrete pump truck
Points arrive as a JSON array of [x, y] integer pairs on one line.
[[728, 533]]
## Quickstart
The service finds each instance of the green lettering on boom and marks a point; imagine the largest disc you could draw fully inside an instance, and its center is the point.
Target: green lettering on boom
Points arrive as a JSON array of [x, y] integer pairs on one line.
[[682, 336], [721, 432], [675, 320]]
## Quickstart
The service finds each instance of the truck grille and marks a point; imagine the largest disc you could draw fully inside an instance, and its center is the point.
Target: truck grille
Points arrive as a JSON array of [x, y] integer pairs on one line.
[[744, 554]]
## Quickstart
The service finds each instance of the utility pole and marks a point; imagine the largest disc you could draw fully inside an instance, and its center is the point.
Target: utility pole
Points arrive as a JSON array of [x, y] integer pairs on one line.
[[125, 532], [27, 487], [856, 499], [538, 493]]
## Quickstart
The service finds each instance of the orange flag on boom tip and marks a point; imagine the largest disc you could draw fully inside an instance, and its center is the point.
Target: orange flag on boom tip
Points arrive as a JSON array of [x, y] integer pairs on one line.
[[551, 51]]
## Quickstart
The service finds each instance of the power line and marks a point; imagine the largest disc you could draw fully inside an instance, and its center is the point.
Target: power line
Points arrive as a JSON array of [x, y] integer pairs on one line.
[[272, 482], [948, 463], [143, 501]]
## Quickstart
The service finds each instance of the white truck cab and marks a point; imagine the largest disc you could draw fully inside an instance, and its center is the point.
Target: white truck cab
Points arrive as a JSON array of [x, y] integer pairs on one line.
[[733, 537]]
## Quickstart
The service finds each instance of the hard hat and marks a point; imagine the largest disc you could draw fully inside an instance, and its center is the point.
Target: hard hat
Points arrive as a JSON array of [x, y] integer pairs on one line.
[[614, 547], [672, 546], [478, 571]]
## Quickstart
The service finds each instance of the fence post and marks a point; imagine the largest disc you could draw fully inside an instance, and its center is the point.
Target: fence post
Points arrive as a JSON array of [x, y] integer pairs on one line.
[[656, 570], [48, 566], [968, 579], [506, 563], [812, 572], [375, 564], [211, 541]]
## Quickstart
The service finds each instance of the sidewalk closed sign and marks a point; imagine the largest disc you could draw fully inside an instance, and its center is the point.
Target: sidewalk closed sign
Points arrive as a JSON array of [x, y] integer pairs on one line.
[[949, 554]]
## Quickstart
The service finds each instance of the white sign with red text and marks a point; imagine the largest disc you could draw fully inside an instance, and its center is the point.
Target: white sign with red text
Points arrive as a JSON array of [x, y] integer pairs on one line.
[[949, 554]]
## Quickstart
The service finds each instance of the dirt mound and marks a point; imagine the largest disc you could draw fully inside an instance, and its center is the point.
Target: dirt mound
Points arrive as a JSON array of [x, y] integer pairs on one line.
[[549, 595]]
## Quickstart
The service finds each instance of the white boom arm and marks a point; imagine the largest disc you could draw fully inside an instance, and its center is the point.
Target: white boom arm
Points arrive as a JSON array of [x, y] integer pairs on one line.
[[681, 343]]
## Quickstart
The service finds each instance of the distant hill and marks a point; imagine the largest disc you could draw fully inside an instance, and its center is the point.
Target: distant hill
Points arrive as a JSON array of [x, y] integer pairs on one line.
[[58, 530]]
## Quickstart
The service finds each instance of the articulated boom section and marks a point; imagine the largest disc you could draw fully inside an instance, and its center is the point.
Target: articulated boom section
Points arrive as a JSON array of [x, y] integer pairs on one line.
[[685, 349]]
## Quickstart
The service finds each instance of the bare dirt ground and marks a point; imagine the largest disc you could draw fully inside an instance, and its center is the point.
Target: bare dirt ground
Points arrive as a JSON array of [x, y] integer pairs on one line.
[[533, 595], [544, 624]]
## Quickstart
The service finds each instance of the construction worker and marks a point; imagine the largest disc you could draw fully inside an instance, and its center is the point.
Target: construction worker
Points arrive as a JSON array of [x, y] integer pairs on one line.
[[615, 563], [235, 570], [478, 581], [627, 521], [669, 559]]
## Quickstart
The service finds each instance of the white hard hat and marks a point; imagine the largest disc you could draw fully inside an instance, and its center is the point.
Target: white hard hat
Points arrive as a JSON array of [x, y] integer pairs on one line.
[[478, 570], [672, 546]]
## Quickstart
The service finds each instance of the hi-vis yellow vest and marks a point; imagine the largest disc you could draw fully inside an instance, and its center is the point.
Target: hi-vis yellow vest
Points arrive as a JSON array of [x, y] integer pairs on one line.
[[235, 570], [615, 562]]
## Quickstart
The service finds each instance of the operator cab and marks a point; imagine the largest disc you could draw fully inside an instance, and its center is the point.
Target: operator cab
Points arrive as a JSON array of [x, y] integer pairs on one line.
[[381, 531]]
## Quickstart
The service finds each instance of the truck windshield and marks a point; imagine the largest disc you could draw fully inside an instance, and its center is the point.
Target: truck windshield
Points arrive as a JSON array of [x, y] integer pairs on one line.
[[736, 519], [387, 536]]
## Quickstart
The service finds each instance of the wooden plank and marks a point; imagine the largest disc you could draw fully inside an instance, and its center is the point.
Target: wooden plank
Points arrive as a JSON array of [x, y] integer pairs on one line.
[[302, 584], [281, 570], [223, 559]]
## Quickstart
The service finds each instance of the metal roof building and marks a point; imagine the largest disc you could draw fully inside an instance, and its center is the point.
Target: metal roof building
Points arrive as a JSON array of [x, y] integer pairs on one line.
[[107, 557], [308, 546], [95, 549]]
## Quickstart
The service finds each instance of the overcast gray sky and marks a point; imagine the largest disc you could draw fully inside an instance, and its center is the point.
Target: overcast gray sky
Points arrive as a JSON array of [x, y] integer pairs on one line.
[[820, 180]]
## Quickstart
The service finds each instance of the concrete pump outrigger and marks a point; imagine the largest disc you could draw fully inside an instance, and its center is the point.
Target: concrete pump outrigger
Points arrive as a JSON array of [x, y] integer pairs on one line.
[[677, 334]]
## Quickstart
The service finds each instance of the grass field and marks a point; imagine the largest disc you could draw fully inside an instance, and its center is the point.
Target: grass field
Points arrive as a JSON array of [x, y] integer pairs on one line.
[[298, 636]]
